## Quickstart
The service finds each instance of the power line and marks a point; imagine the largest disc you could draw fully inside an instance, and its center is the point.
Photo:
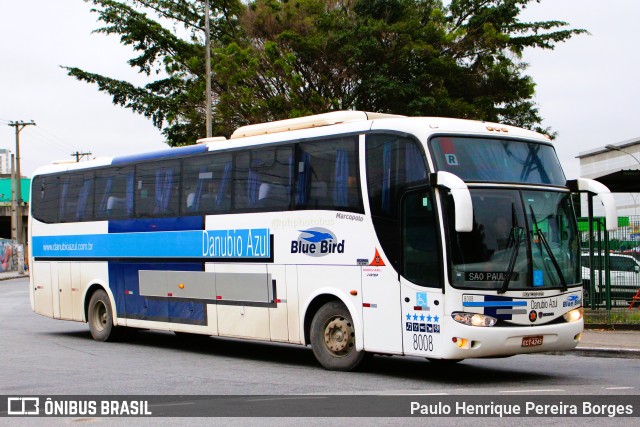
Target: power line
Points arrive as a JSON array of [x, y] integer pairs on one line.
[[61, 141], [49, 143]]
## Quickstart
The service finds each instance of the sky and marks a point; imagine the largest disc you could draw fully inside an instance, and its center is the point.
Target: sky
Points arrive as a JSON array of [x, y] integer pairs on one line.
[[587, 89]]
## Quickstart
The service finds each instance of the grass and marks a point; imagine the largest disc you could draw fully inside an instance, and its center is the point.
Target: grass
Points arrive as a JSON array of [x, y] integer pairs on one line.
[[615, 316]]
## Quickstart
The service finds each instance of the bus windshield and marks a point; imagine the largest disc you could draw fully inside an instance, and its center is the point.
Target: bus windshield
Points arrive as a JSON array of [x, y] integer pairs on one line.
[[497, 160], [520, 240]]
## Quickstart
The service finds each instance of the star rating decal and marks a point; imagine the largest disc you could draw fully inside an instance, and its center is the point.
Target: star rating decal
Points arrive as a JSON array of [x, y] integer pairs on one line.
[[422, 317], [431, 326]]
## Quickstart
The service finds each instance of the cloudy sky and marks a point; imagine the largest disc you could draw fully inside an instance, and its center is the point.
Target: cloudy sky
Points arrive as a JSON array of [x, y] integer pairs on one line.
[[587, 88]]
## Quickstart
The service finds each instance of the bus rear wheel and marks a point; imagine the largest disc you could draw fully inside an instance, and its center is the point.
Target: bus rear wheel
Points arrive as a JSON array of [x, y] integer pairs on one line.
[[100, 317], [333, 338]]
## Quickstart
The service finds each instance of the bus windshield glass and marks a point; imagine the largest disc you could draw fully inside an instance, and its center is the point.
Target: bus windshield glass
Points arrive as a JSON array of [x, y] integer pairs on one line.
[[497, 160], [521, 240]]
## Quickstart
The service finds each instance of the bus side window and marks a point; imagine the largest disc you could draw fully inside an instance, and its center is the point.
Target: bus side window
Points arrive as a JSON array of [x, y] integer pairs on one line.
[[45, 199], [327, 175], [157, 188], [76, 197], [273, 169], [393, 162], [84, 208], [263, 179], [114, 190], [206, 184], [242, 166]]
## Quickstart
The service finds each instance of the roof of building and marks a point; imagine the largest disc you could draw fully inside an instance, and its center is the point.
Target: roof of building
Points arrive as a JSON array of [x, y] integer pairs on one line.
[[600, 150], [622, 181]]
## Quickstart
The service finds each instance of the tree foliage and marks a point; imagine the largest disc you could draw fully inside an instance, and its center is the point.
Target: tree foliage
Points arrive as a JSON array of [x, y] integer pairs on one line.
[[275, 59]]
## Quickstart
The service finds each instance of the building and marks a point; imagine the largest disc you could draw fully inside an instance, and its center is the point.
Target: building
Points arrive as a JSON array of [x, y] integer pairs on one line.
[[5, 161], [5, 205], [618, 167]]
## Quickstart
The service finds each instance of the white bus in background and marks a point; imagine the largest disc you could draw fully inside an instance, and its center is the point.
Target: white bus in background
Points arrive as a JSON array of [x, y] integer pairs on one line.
[[351, 232]]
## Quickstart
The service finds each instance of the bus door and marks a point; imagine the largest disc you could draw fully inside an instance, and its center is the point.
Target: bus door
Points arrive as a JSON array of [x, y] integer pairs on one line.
[[42, 288], [421, 278]]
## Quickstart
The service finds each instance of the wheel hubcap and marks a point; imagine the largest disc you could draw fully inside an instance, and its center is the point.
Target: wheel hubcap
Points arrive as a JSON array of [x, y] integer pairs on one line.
[[100, 318], [338, 336]]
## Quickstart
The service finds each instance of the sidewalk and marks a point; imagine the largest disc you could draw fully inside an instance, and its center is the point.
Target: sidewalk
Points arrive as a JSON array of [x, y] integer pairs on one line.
[[609, 343], [8, 275]]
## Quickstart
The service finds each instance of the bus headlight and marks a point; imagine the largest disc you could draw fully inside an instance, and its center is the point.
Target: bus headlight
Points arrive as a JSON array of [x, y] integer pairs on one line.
[[574, 315], [473, 319]]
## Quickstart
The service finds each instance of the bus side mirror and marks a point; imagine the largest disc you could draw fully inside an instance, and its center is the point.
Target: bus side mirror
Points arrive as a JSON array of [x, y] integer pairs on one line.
[[461, 199], [600, 190]]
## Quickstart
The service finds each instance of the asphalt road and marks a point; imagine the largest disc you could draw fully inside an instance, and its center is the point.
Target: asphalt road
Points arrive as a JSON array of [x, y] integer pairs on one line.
[[43, 356]]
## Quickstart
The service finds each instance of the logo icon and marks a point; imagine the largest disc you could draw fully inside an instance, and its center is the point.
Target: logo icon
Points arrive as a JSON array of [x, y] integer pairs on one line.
[[421, 299], [23, 406], [377, 260], [533, 316], [317, 242], [451, 159]]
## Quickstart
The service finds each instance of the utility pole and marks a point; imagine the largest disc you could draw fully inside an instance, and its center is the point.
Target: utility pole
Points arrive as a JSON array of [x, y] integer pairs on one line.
[[19, 126], [14, 206], [207, 59], [79, 155]]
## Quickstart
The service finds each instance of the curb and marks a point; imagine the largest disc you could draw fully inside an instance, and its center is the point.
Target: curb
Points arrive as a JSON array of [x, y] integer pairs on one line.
[[17, 276], [613, 326], [622, 353]]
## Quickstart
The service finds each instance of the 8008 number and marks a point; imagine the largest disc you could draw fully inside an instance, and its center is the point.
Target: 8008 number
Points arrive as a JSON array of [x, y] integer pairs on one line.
[[422, 342]]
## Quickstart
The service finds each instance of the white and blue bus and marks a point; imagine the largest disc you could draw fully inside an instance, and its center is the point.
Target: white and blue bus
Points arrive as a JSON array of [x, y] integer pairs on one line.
[[351, 232]]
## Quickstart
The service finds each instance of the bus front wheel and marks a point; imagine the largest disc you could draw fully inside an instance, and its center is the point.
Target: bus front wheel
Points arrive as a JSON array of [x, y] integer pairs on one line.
[[333, 338], [100, 317]]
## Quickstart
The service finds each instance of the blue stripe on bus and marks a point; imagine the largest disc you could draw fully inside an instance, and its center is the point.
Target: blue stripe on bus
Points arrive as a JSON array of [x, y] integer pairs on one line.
[[239, 244], [125, 286], [156, 224], [494, 303], [163, 154]]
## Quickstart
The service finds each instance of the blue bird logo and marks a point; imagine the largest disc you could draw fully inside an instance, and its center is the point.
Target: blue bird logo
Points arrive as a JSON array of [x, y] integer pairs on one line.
[[315, 236]]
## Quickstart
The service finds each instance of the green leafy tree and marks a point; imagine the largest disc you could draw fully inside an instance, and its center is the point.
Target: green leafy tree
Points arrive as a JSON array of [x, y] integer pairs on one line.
[[168, 35], [274, 59]]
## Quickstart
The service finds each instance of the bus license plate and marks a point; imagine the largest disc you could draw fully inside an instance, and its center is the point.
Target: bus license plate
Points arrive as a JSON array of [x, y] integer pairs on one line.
[[531, 341]]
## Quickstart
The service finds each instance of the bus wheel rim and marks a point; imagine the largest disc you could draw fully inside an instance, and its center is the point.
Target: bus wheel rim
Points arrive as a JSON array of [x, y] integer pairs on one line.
[[100, 317], [337, 335]]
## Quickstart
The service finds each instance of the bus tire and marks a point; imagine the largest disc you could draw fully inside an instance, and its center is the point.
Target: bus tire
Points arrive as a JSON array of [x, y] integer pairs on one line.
[[333, 338], [100, 317]]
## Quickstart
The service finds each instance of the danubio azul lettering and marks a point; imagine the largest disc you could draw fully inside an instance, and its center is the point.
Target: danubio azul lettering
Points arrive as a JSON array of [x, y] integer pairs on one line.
[[238, 243], [249, 243]]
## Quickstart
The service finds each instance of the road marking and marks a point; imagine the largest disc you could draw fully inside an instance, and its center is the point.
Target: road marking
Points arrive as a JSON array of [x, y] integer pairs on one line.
[[418, 394], [285, 398], [531, 391], [619, 388]]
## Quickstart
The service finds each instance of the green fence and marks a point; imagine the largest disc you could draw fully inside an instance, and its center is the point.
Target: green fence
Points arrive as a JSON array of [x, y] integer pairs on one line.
[[611, 269]]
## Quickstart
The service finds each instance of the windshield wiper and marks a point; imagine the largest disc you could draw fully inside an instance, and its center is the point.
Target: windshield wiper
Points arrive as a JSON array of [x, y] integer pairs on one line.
[[517, 231], [547, 248], [515, 235]]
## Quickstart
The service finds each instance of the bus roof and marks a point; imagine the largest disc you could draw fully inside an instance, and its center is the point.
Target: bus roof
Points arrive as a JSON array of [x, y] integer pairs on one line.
[[349, 121], [326, 119]]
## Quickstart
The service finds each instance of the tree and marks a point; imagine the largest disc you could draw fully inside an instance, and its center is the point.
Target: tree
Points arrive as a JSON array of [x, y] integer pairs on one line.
[[275, 59], [169, 37]]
